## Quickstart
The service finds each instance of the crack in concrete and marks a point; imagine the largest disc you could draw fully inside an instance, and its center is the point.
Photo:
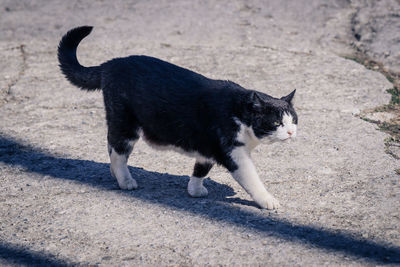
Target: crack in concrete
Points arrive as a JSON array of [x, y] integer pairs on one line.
[[284, 50], [22, 70]]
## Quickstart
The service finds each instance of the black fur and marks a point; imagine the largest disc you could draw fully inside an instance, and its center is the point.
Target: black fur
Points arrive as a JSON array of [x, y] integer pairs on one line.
[[201, 169], [172, 105], [87, 78]]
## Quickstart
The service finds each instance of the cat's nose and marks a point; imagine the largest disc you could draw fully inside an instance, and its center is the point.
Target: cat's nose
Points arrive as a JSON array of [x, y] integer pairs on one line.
[[290, 133]]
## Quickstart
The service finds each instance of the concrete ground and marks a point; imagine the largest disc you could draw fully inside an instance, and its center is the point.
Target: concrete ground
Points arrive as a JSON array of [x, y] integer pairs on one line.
[[338, 188]]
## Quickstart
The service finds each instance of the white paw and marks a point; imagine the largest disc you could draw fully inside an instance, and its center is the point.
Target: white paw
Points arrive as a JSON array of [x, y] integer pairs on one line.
[[198, 192], [125, 180], [128, 184], [195, 188], [268, 202]]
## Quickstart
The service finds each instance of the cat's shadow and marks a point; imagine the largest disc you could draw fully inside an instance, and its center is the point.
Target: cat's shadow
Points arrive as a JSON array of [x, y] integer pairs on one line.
[[157, 187], [168, 187]]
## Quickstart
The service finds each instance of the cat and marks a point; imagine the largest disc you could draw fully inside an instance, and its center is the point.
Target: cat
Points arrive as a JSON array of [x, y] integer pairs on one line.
[[170, 107]]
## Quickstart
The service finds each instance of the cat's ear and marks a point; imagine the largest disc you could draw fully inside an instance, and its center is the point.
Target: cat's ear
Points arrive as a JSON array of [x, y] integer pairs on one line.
[[290, 97], [255, 101]]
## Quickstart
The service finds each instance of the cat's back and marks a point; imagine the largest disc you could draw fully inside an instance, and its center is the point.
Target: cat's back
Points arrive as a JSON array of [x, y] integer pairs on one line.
[[146, 81], [151, 69]]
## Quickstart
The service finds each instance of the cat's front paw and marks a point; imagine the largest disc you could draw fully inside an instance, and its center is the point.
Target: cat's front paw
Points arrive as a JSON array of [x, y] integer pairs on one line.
[[268, 202], [128, 184]]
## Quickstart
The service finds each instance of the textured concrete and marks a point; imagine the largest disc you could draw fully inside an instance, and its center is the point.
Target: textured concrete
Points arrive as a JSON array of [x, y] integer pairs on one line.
[[59, 205], [375, 25]]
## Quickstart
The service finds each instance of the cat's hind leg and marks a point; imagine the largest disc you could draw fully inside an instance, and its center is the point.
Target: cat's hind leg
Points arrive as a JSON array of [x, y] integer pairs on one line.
[[195, 186], [119, 168], [120, 145]]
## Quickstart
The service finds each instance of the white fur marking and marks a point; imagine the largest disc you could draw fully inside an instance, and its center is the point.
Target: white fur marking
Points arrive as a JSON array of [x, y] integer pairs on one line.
[[246, 175], [195, 187], [282, 132], [246, 136], [119, 170]]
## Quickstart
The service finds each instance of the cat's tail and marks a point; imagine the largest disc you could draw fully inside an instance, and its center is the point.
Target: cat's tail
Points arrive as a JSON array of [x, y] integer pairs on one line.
[[87, 78]]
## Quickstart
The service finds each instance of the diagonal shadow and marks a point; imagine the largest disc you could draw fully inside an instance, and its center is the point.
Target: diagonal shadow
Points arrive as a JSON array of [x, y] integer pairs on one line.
[[22, 256], [168, 190]]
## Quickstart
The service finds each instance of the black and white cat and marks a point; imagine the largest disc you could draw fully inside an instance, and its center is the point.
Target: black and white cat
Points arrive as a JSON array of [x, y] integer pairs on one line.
[[174, 108]]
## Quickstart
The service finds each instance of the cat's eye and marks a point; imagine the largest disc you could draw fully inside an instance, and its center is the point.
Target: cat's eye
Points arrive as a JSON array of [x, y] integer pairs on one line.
[[277, 123]]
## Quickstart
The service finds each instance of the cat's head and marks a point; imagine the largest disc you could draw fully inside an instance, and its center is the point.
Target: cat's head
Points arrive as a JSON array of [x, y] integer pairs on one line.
[[273, 119]]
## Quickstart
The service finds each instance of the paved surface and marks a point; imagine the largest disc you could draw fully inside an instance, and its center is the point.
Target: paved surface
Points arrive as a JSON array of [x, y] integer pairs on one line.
[[375, 25], [59, 205]]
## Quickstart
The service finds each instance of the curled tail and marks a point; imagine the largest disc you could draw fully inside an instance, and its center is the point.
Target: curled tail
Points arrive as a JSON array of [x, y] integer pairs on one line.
[[87, 78]]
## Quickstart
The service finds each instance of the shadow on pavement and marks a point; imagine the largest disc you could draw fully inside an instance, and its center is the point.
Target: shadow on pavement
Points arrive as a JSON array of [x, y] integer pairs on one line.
[[24, 256], [169, 190]]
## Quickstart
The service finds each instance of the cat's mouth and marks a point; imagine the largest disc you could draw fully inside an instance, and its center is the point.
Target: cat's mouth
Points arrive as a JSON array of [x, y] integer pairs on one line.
[[286, 139]]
